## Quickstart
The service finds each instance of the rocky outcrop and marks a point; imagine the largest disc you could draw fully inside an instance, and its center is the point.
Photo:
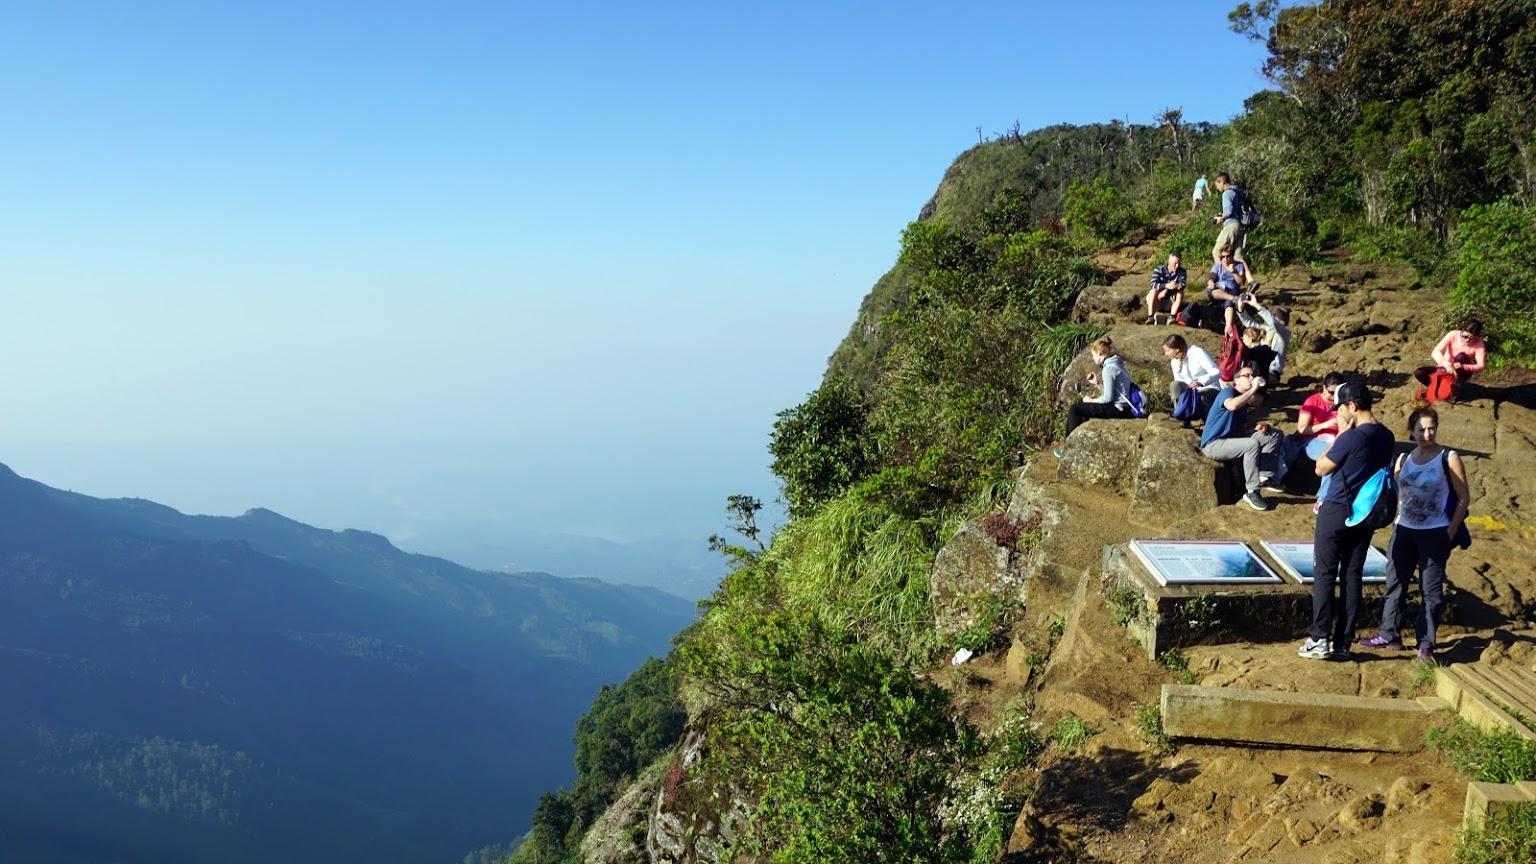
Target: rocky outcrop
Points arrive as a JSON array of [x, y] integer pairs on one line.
[[975, 570], [696, 813], [618, 835], [1169, 483], [971, 571]]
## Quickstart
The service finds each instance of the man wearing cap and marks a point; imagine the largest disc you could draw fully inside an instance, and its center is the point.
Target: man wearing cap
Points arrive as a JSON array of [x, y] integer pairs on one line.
[[1363, 447], [1227, 437]]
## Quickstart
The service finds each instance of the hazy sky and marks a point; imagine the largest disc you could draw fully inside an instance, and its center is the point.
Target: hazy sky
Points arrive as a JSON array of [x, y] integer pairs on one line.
[[555, 265]]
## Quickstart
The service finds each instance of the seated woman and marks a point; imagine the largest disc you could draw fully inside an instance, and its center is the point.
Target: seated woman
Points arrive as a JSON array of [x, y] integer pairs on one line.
[[1318, 425], [1276, 326], [1193, 369], [1461, 352], [1226, 283], [1256, 351], [1114, 399]]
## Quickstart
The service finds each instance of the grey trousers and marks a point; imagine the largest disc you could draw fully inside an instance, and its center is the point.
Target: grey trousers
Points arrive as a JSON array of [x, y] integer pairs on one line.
[[1257, 452], [1415, 549]]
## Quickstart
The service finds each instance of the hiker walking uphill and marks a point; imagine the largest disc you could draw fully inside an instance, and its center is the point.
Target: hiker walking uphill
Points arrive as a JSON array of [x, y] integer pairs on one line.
[[1360, 457], [1432, 504], [1238, 216], [1199, 194]]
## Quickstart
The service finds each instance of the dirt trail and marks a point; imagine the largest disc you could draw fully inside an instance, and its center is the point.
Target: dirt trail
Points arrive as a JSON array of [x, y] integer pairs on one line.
[[1114, 799]]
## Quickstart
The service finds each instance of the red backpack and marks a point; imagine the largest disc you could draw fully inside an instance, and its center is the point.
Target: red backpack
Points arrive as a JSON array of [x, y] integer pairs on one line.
[[1443, 386], [1232, 349]]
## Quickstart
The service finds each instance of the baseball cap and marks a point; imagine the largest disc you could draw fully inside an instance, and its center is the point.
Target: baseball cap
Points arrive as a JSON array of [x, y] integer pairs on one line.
[[1353, 391]]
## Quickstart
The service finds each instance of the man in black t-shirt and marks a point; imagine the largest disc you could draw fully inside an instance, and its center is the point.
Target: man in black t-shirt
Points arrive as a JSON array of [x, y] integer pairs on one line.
[[1363, 447]]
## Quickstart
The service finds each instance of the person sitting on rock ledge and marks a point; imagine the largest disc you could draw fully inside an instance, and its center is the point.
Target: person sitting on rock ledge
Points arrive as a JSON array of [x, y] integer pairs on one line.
[[1460, 353], [1193, 369], [1275, 324], [1224, 284], [1228, 437], [1168, 282], [1317, 425], [1257, 353], [1114, 399]]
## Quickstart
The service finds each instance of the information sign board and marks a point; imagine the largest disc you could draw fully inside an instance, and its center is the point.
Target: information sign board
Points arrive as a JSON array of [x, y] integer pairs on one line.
[[1294, 557], [1199, 562]]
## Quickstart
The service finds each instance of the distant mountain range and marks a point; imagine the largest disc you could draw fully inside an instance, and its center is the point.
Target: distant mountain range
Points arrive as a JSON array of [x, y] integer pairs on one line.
[[682, 566], [193, 688]]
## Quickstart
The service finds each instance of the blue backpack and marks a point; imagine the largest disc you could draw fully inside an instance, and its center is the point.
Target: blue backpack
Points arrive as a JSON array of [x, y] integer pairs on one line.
[[1188, 406], [1138, 402], [1375, 505]]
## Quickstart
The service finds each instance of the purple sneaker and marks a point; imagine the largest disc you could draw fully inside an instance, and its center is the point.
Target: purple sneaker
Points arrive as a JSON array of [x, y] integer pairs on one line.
[[1380, 641], [1426, 654]]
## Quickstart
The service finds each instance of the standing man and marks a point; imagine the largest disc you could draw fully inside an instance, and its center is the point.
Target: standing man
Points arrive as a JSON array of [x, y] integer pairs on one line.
[[1199, 195], [1168, 282], [1233, 232], [1363, 447]]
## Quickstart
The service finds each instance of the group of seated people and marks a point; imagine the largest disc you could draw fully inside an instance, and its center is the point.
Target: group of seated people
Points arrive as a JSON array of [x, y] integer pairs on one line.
[[1227, 434]]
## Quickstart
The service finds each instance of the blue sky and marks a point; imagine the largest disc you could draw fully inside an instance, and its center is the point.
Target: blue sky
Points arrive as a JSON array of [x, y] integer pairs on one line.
[[553, 266]]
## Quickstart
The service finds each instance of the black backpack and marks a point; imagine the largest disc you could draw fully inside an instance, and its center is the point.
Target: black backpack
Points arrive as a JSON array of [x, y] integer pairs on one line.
[[1248, 215]]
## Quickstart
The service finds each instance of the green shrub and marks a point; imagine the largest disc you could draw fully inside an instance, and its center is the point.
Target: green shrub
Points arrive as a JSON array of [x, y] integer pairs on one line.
[[848, 754], [1491, 757], [1176, 661], [818, 446], [1495, 255], [1149, 725], [1508, 836], [1097, 212], [1070, 731], [1127, 604]]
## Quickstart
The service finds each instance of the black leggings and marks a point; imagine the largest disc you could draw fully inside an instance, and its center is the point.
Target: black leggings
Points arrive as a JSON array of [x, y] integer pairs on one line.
[[1081, 412]]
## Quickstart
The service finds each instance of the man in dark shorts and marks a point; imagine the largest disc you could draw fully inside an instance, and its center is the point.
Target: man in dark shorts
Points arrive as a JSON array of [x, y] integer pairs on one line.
[[1168, 282], [1363, 447]]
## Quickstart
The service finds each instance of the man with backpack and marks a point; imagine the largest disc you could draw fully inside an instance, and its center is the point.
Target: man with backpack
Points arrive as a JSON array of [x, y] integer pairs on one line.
[[1359, 497], [1238, 216], [1227, 437]]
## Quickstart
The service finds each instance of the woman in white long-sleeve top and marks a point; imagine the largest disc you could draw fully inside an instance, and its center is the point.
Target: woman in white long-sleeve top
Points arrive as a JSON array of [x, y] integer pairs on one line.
[[1193, 369]]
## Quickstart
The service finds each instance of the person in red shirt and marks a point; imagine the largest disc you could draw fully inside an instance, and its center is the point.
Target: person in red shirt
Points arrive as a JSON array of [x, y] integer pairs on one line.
[[1461, 352], [1317, 425]]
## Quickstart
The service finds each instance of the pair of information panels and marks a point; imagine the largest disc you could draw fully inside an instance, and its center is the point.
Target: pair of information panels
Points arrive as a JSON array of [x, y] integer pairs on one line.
[[1230, 562]]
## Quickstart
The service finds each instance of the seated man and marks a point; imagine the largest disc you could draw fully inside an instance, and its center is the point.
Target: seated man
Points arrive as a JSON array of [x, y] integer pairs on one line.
[[1225, 283], [1168, 282], [1228, 437], [1461, 352], [1277, 331]]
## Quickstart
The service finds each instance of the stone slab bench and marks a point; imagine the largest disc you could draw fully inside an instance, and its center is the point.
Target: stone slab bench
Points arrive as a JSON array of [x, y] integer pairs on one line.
[[1314, 720]]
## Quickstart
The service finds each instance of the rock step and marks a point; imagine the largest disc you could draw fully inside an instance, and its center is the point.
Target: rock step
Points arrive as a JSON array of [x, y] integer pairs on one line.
[[1489, 697], [1323, 720]]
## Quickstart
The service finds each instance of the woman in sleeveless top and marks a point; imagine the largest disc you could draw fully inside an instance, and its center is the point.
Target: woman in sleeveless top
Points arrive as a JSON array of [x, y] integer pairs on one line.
[[1427, 520]]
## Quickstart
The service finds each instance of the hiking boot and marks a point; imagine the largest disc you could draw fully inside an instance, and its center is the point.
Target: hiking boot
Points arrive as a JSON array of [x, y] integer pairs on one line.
[[1337, 657], [1380, 641], [1256, 501], [1313, 649]]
